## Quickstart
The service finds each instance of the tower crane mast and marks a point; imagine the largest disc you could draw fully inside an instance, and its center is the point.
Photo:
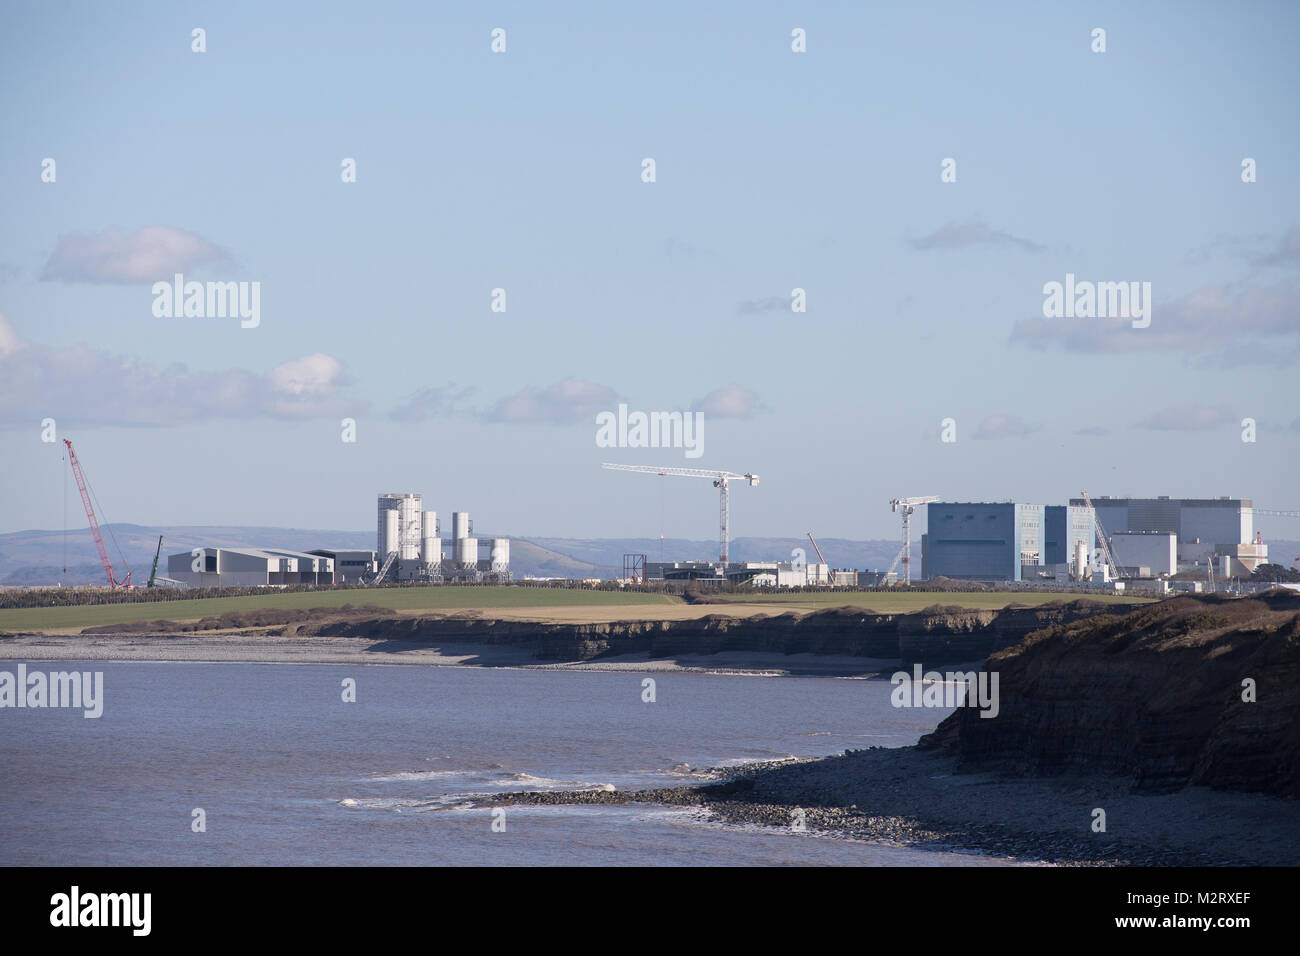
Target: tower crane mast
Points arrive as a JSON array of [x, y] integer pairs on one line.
[[721, 481], [908, 507]]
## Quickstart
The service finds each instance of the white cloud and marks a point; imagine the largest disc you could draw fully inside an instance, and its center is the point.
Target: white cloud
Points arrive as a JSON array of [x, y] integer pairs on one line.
[[1226, 325], [997, 427], [309, 375], [84, 386], [572, 400], [733, 401], [1189, 417], [149, 254], [954, 235], [9, 341], [431, 402]]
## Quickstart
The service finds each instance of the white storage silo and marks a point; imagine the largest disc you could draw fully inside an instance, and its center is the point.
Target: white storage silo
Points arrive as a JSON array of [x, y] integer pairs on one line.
[[500, 554], [412, 510], [460, 524], [467, 552], [430, 543], [392, 531], [1080, 569]]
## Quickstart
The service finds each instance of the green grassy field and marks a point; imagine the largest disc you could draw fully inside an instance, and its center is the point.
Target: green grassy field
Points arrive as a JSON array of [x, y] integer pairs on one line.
[[903, 601], [397, 599]]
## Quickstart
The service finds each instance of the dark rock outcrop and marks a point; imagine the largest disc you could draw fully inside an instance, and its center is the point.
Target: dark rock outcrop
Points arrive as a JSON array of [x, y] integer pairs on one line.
[[1155, 695]]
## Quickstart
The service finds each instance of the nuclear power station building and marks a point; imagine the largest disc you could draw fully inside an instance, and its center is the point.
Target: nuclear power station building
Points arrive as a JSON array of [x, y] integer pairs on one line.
[[410, 546]]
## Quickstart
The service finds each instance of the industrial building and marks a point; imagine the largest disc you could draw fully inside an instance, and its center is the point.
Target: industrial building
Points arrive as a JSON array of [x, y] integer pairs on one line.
[[1145, 554], [783, 574], [248, 567], [1204, 528], [350, 566], [990, 541], [410, 546], [1149, 538]]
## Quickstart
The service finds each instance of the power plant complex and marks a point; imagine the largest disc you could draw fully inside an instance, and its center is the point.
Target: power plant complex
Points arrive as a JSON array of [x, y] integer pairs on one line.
[[408, 549]]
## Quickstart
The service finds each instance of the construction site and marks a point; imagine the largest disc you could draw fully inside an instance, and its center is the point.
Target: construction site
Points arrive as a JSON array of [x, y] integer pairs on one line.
[[1156, 545]]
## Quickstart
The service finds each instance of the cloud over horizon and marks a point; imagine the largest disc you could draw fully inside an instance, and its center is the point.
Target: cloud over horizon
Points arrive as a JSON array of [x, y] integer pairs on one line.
[[998, 427], [39, 381], [1188, 417], [563, 403], [1224, 326], [953, 235], [731, 401], [150, 254]]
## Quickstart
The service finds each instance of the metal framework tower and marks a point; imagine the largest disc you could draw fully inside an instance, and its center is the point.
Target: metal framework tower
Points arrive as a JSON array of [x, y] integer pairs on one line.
[[908, 507], [634, 568], [721, 480]]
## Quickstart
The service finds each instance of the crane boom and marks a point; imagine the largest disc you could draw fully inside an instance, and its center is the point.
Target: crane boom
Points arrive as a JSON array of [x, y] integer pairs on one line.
[[820, 558], [113, 582], [721, 480], [1101, 539], [154, 573]]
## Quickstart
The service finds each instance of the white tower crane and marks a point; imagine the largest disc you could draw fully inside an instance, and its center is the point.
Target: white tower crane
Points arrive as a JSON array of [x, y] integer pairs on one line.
[[720, 481], [908, 507]]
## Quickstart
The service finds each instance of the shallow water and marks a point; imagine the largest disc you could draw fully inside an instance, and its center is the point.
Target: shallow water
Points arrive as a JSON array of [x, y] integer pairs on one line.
[[286, 772]]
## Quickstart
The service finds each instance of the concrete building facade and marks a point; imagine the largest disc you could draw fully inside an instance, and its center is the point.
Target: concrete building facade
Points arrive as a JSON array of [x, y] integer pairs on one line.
[[1154, 551], [248, 567], [983, 541], [1204, 526]]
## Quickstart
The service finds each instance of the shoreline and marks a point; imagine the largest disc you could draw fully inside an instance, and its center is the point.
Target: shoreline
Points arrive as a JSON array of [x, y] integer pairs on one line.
[[917, 799], [213, 648]]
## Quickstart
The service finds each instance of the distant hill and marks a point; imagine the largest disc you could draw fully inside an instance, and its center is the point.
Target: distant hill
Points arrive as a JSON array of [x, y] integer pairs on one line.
[[37, 557]]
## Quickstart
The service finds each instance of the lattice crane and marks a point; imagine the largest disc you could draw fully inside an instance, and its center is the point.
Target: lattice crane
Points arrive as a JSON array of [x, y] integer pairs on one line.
[[113, 582], [1103, 544], [721, 481]]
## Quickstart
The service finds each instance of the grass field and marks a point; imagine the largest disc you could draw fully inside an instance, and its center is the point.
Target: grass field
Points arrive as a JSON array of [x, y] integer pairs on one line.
[[397, 599], [904, 601]]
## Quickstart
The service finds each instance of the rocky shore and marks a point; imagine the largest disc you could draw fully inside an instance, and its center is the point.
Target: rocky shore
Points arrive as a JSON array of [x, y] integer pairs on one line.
[[1177, 726], [914, 798]]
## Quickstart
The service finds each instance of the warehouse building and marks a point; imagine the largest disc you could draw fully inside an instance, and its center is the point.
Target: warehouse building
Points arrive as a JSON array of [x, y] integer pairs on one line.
[[986, 541], [350, 566], [248, 567]]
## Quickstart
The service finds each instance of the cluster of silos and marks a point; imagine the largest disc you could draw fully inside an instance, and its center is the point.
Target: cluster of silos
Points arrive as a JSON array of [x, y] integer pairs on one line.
[[413, 533], [399, 525], [466, 547]]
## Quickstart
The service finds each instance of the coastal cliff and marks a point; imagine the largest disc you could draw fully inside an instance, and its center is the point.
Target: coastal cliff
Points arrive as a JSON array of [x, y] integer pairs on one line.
[[1158, 695], [935, 635]]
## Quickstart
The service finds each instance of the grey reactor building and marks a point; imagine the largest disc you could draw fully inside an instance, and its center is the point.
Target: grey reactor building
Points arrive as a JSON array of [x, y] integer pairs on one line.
[[1150, 537]]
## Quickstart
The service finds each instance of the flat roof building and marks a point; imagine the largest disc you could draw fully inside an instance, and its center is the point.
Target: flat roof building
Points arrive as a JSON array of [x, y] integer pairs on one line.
[[248, 567], [983, 541]]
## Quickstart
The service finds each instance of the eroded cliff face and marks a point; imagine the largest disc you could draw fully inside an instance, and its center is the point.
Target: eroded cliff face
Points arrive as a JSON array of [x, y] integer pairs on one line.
[[936, 635], [1156, 695]]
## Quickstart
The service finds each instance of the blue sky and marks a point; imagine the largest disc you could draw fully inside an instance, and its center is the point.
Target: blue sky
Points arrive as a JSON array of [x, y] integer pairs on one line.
[[522, 171]]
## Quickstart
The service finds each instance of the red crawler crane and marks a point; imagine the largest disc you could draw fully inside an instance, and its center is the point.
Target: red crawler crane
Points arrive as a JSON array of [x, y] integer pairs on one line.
[[113, 582]]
